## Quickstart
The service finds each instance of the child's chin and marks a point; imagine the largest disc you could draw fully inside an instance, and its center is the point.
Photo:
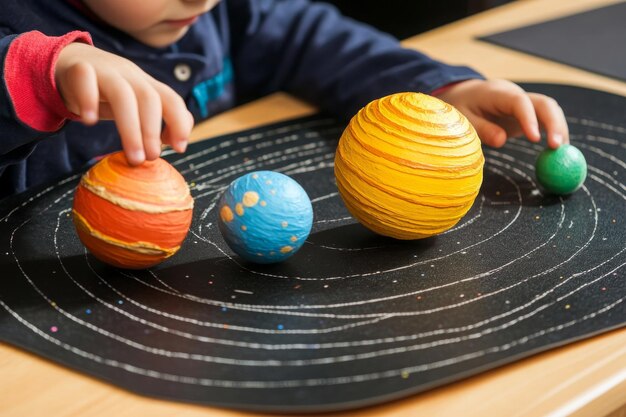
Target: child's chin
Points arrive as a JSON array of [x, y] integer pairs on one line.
[[164, 38]]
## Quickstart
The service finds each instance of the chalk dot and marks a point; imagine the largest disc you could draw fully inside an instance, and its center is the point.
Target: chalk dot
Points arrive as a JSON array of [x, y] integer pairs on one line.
[[239, 209], [54, 329], [567, 306], [226, 214], [88, 311], [280, 327], [120, 302], [224, 309], [326, 286], [250, 198], [404, 374]]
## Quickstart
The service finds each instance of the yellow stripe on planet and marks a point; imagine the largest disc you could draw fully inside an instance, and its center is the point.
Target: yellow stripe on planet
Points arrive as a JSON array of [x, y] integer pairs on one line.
[[146, 248]]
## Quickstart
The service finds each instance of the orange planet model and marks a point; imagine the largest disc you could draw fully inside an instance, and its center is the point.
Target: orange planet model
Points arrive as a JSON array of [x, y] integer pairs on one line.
[[409, 166], [132, 217]]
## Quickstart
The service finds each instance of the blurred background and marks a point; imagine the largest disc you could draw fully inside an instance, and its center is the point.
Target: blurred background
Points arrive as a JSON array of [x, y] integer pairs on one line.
[[405, 18]]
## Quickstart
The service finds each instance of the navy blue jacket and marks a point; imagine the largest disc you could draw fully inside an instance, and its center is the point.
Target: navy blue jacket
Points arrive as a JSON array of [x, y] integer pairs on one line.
[[241, 50]]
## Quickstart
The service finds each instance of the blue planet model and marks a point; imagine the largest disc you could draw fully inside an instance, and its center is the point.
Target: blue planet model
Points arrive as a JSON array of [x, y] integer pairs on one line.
[[265, 216]]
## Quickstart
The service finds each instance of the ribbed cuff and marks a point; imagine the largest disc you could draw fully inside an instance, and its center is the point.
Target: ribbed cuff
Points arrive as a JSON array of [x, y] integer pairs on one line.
[[29, 77]]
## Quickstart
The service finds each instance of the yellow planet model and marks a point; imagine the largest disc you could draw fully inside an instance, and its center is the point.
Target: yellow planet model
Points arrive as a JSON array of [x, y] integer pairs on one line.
[[409, 166]]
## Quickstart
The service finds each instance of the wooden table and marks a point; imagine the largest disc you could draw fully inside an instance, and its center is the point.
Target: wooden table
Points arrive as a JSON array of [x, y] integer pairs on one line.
[[587, 378]]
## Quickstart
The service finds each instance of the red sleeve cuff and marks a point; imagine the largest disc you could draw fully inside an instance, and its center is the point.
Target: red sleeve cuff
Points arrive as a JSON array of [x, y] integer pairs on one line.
[[29, 76], [446, 87]]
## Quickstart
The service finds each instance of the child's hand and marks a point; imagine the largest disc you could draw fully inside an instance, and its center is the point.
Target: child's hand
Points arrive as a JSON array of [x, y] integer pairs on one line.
[[500, 109], [95, 84]]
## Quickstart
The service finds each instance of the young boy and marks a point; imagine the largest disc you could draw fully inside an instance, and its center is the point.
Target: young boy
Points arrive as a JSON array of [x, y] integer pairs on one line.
[[153, 67]]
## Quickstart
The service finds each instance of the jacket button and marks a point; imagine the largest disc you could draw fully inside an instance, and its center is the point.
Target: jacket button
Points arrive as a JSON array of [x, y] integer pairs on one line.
[[182, 72]]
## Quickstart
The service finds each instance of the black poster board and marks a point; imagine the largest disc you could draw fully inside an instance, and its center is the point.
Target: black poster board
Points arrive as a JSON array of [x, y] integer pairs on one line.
[[593, 40], [353, 319]]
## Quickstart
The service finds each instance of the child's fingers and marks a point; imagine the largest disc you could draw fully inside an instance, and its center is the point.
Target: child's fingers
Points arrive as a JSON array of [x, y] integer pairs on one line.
[[178, 119], [150, 117], [489, 133], [518, 104], [82, 81], [551, 118], [121, 97]]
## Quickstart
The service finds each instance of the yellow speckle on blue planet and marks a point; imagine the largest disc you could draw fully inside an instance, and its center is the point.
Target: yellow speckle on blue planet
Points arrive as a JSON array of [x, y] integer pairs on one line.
[[250, 198], [239, 209], [226, 214]]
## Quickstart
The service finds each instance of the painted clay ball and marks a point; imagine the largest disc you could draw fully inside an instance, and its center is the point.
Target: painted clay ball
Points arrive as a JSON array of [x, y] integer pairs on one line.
[[561, 171], [409, 166], [265, 216], [132, 217]]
